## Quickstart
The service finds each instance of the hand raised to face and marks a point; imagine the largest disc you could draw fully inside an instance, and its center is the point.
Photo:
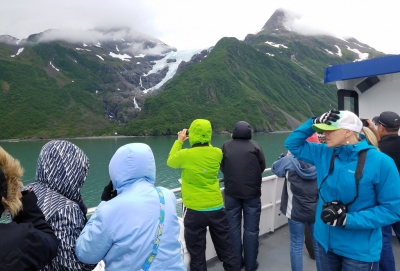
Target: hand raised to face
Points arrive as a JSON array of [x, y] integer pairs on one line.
[[182, 136]]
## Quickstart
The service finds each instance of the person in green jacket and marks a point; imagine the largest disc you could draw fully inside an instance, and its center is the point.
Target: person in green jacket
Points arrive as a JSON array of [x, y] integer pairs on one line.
[[202, 196]]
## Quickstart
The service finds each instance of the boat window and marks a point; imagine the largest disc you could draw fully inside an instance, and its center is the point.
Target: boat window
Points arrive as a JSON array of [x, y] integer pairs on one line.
[[348, 100]]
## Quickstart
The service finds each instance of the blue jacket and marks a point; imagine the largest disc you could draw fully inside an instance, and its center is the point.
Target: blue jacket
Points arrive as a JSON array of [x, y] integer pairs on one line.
[[378, 203], [122, 230]]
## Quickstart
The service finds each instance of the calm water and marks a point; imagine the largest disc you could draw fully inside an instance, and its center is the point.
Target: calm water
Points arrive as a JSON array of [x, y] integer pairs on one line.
[[100, 151]]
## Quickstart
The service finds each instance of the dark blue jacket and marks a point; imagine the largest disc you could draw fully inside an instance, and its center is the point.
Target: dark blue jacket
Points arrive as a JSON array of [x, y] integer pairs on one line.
[[300, 192]]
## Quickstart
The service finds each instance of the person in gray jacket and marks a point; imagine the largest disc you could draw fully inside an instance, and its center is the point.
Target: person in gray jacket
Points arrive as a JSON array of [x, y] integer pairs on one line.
[[298, 203]]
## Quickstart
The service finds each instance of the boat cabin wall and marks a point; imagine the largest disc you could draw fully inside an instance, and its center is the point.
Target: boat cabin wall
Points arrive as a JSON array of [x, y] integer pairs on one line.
[[383, 96]]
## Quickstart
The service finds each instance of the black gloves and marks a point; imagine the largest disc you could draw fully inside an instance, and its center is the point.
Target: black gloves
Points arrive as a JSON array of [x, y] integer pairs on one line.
[[334, 213], [328, 117], [108, 192]]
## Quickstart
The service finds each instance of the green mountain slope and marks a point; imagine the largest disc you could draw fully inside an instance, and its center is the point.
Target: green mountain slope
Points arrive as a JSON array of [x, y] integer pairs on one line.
[[235, 82], [272, 79], [36, 101]]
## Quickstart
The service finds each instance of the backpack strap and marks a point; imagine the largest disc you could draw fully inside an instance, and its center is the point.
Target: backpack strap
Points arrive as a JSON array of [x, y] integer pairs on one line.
[[153, 254], [332, 164], [359, 170]]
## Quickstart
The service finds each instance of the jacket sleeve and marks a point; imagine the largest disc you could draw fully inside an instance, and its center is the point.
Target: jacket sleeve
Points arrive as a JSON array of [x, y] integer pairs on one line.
[[174, 160], [40, 243], [223, 158], [297, 143], [261, 158], [67, 224], [95, 240], [388, 198]]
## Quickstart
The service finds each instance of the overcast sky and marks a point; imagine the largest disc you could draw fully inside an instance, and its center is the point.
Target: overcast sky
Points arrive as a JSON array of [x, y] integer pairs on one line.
[[193, 24]]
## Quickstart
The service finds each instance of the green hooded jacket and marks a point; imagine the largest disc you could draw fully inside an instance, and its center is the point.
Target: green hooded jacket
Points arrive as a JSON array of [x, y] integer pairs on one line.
[[200, 166]]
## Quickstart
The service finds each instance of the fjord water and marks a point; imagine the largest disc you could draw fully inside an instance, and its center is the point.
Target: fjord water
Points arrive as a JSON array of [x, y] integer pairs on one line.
[[100, 151]]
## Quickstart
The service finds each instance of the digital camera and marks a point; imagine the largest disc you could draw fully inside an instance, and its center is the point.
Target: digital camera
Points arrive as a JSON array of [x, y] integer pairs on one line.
[[330, 211], [364, 122]]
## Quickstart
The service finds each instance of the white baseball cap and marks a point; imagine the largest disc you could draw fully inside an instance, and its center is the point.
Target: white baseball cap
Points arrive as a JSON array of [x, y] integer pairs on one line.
[[347, 120]]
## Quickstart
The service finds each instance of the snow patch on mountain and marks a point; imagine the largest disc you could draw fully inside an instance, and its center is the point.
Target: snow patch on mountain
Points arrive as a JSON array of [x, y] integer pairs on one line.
[[51, 64], [179, 56], [80, 49], [275, 44], [100, 57], [19, 51], [135, 104], [339, 53], [123, 57], [362, 56]]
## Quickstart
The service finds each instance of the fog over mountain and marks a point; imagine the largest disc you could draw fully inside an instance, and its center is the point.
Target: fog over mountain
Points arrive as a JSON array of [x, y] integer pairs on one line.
[[200, 24]]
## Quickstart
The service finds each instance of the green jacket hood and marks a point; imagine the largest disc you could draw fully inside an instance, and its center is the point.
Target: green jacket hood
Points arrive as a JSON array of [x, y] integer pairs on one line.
[[200, 132]]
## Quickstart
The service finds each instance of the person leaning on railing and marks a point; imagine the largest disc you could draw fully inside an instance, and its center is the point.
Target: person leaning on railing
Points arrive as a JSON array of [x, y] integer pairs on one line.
[[358, 190]]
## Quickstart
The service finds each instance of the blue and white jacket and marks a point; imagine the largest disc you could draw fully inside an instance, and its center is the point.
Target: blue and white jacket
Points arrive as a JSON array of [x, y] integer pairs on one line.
[[61, 170], [122, 230], [378, 202]]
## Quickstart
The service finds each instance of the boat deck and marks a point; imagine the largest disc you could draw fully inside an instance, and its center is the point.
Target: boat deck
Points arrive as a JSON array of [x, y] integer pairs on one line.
[[274, 253]]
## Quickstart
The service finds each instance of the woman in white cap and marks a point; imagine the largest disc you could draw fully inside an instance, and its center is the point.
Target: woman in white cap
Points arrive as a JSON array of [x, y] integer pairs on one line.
[[358, 194]]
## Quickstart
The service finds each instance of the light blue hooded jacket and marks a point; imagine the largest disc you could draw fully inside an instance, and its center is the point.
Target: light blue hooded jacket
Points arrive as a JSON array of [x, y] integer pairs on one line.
[[378, 202], [122, 230]]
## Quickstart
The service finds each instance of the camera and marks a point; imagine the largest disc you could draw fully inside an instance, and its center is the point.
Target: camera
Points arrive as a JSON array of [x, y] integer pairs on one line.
[[364, 122], [330, 211]]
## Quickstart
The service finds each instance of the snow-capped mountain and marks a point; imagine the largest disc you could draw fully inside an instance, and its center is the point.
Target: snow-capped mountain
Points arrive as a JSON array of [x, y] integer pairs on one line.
[[136, 64]]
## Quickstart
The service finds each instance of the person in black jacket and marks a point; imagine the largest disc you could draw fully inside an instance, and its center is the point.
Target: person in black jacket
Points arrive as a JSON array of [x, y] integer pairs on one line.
[[387, 132], [28, 242], [242, 164]]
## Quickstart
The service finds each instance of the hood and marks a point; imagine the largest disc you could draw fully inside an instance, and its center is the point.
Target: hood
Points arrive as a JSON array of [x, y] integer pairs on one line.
[[63, 168], [200, 132], [10, 182], [303, 169], [242, 130], [130, 163]]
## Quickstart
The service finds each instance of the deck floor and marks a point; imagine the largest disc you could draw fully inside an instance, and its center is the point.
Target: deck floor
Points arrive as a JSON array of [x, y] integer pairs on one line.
[[274, 254]]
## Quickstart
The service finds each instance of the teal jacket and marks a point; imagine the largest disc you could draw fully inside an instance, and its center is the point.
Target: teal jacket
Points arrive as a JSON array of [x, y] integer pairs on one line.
[[378, 202], [200, 166]]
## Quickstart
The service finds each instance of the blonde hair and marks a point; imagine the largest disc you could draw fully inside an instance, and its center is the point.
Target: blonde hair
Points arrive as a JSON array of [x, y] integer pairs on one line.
[[12, 172], [369, 135]]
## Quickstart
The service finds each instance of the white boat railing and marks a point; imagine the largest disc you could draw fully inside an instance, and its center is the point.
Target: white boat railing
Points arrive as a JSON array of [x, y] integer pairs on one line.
[[271, 217]]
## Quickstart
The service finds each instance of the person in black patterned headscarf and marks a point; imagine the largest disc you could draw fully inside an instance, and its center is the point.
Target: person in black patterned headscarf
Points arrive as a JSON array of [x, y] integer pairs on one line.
[[61, 170]]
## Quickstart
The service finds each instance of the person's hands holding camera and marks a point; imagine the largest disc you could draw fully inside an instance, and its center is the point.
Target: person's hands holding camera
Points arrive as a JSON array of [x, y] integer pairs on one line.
[[334, 213], [183, 135], [328, 117], [108, 192]]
